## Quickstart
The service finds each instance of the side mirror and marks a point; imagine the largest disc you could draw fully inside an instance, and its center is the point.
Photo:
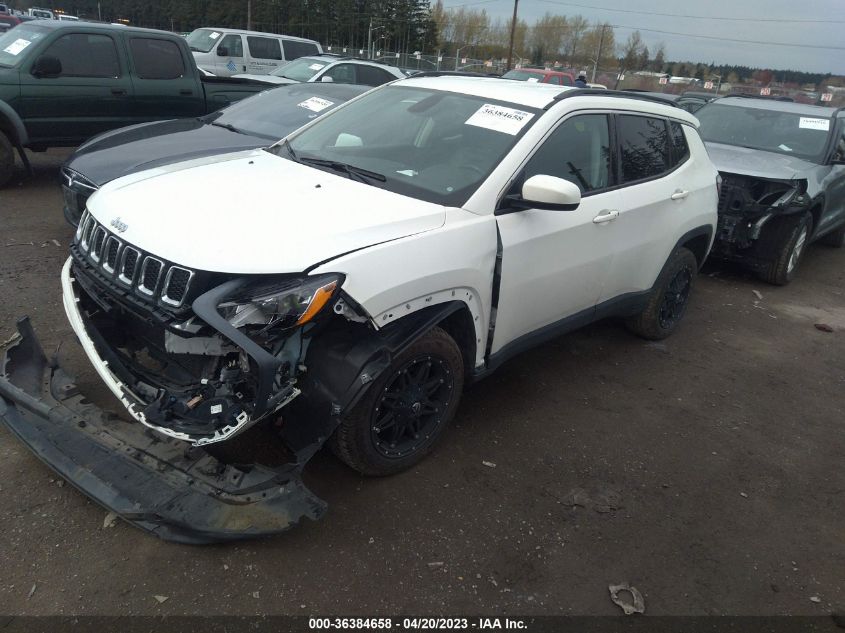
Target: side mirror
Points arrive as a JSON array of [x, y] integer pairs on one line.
[[326, 79], [222, 51], [551, 193], [47, 66]]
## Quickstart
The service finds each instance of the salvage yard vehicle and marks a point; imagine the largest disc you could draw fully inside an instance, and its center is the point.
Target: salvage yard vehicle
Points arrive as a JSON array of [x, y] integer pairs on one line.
[[330, 68], [541, 75], [360, 274], [783, 181], [254, 122], [63, 82], [226, 52]]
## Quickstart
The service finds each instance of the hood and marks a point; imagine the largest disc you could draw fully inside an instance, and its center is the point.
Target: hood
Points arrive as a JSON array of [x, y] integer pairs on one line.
[[267, 79], [148, 145], [757, 163], [255, 213]]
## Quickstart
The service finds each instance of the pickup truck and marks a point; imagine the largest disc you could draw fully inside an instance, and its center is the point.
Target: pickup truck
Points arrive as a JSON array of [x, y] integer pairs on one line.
[[64, 82]]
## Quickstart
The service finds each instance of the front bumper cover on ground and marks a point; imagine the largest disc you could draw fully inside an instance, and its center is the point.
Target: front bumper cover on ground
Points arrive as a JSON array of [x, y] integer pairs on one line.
[[162, 485]]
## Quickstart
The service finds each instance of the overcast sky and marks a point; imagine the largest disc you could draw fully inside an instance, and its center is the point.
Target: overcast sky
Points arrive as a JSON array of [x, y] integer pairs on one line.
[[809, 23]]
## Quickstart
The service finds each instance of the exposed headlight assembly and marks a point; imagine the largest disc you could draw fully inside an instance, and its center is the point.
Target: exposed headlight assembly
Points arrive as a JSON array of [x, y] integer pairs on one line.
[[284, 303]]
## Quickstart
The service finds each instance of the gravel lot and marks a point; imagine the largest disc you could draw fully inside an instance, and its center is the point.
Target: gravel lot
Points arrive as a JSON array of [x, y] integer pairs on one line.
[[707, 471]]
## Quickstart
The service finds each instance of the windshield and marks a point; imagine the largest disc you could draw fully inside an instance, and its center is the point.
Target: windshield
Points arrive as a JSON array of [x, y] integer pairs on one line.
[[17, 43], [523, 75], [427, 144], [278, 112], [203, 40], [301, 69], [788, 133]]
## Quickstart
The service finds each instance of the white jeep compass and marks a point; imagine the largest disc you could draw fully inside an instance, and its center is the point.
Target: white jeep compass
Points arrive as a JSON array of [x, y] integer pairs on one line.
[[345, 284]]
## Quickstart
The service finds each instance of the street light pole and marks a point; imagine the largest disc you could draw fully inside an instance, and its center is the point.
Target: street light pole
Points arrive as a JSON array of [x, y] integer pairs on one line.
[[598, 57], [513, 33]]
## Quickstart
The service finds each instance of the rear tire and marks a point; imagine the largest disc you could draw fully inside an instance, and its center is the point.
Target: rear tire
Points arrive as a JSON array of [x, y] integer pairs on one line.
[[669, 297], [406, 410], [7, 160], [787, 241], [836, 239]]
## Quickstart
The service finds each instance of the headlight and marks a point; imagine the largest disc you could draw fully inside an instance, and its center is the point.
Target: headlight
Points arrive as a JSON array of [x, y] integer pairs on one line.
[[283, 303]]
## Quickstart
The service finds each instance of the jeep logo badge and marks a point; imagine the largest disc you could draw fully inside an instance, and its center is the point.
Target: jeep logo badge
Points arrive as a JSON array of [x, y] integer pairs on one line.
[[120, 226]]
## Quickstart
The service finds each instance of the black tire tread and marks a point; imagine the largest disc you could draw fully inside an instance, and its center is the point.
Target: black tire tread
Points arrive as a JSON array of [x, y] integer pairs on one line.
[[7, 159], [647, 323], [780, 239], [349, 441]]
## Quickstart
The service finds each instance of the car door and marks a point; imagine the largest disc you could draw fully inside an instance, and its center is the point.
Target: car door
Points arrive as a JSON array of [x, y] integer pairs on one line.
[[166, 86], [230, 56], [658, 184], [340, 74], [554, 262], [833, 184], [265, 54], [91, 94]]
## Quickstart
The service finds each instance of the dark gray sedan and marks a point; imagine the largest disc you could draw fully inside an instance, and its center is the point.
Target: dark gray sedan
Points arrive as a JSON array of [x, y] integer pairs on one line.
[[254, 122]]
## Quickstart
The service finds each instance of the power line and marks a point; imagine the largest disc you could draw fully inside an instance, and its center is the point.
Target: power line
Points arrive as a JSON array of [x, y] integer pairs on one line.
[[695, 17], [730, 39]]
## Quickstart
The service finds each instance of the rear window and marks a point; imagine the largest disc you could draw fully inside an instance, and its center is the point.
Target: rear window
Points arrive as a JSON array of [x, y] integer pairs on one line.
[[156, 59], [295, 50], [644, 147], [523, 75], [264, 47]]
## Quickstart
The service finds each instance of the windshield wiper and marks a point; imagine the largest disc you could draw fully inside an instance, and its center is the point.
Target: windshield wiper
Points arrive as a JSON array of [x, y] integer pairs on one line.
[[292, 153], [358, 173], [227, 126]]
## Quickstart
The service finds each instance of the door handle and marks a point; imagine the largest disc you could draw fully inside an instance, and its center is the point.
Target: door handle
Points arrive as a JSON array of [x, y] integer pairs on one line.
[[608, 215], [186, 92], [679, 194], [118, 91]]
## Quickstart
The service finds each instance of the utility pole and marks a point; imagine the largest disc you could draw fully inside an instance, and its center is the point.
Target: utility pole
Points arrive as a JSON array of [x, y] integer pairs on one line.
[[513, 33], [598, 57], [248, 15]]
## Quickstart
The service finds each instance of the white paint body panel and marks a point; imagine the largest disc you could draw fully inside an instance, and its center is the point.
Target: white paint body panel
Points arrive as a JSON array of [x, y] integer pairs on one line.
[[227, 214]]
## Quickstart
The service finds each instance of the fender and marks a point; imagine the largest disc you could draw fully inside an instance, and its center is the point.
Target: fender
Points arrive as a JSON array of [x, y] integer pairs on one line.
[[342, 363], [15, 125]]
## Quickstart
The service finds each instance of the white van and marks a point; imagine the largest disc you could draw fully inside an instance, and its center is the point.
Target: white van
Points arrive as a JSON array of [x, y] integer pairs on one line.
[[226, 52]]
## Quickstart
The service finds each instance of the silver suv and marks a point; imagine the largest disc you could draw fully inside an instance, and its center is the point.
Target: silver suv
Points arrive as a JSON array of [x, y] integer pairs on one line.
[[783, 180]]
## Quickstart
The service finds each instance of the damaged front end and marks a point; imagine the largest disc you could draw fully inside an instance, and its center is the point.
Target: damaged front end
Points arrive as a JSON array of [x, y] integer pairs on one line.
[[196, 358], [747, 204]]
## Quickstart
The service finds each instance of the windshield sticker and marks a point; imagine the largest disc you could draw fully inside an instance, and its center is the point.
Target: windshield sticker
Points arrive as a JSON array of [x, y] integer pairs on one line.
[[532, 80], [316, 66], [315, 104], [814, 124], [785, 148], [500, 119], [214, 35], [17, 46]]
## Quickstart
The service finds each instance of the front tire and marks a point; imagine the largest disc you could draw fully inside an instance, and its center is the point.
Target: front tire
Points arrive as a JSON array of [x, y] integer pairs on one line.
[[787, 241], [406, 410], [7, 160], [669, 297]]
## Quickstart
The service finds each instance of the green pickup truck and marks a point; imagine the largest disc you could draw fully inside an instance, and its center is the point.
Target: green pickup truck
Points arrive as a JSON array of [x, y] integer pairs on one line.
[[63, 82]]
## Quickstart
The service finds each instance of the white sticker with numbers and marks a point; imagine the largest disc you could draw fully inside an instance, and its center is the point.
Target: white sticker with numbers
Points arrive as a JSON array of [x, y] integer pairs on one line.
[[315, 104], [17, 46], [807, 123], [500, 119]]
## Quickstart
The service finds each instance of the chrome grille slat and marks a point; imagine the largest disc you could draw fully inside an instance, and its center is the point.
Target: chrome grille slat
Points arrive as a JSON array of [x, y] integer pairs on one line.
[[150, 277]]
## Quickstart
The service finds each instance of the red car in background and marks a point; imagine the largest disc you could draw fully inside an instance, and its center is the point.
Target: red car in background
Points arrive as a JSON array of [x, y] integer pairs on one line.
[[7, 22], [539, 75]]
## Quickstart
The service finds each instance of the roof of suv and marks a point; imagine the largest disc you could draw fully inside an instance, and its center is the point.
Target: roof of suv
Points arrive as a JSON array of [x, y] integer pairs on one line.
[[541, 96], [778, 106]]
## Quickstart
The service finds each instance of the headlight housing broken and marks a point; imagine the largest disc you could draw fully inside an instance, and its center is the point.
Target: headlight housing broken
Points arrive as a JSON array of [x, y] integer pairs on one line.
[[281, 303]]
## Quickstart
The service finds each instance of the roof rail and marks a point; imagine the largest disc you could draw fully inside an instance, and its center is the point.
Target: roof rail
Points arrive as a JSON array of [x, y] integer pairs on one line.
[[743, 95], [579, 92], [450, 73]]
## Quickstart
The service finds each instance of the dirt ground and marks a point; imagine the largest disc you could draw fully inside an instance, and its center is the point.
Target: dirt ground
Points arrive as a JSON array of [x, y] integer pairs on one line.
[[707, 471]]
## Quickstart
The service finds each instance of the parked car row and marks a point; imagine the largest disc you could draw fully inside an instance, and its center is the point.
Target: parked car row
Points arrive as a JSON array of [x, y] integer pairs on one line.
[[382, 255]]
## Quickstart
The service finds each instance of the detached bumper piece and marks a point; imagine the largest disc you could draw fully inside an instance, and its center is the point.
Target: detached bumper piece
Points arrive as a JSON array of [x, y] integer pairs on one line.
[[162, 485]]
